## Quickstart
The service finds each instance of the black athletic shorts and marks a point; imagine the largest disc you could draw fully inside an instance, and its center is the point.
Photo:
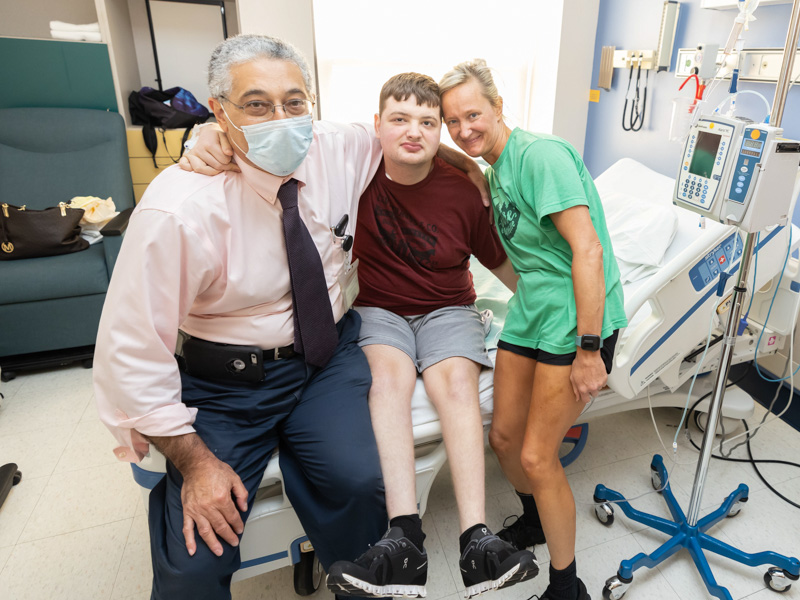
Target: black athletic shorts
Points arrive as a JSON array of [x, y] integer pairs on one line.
[[606, 352]]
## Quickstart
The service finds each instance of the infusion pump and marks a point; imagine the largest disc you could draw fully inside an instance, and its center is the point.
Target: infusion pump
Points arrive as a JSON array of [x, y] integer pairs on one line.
[[738, 172]]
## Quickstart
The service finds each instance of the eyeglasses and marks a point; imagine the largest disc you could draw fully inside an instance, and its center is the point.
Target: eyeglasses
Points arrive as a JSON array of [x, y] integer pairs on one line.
[[296, 107]]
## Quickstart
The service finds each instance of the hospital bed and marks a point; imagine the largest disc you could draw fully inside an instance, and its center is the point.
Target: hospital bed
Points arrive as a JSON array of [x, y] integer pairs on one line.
[[670, 263]]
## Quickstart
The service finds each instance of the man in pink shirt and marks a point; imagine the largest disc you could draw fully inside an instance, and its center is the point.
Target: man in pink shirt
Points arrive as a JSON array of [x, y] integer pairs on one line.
[[209, 349]]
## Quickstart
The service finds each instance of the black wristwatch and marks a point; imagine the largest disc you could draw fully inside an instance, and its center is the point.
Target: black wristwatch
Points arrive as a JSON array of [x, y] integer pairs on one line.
[[592, 343]]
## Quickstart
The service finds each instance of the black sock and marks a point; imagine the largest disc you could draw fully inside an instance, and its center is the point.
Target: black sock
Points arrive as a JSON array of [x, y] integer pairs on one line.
[[465, 537], [412, 528], [563, 583], [530, 514]]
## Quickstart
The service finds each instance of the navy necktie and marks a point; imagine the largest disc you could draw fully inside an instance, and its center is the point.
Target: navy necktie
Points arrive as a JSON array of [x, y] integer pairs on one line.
[[315, 334]]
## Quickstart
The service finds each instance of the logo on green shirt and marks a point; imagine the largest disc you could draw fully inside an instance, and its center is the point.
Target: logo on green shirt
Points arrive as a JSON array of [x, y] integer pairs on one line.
[[507, 219]]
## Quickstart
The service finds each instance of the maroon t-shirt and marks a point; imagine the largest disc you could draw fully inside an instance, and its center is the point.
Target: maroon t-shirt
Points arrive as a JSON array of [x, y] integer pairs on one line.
[[414, 242]]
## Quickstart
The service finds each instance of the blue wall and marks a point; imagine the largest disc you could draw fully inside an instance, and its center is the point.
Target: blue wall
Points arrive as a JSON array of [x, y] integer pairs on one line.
[[633, 24]]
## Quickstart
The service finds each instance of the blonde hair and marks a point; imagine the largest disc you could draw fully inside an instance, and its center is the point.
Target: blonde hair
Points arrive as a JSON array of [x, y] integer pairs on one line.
[[471, 70]]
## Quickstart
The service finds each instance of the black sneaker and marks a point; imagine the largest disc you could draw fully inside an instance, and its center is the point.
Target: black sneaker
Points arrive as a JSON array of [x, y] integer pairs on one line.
[[392, 567], [519, 535], [582, 593], [489, 563]]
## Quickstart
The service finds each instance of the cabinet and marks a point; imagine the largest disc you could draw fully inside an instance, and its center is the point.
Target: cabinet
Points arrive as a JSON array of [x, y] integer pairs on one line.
[[142, 169], [123, 22]]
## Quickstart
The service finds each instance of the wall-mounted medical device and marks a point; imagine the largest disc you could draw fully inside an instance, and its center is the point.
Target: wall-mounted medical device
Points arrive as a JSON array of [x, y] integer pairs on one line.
[[660, 58], [738, 172]]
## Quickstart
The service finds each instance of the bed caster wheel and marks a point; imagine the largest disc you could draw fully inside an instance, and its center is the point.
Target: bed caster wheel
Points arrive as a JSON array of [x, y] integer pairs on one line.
[[615, 588], [736, 508], [779, 580], [7, 376], [307, 574], [87, 363], [655, 480], [605, 514]]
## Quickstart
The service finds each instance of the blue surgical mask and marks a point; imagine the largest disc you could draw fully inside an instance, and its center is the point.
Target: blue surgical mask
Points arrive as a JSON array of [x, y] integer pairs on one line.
[[277, 146]]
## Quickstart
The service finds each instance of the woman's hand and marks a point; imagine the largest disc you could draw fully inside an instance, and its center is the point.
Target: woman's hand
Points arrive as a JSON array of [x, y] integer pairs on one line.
[[211, 154], [588, 375]]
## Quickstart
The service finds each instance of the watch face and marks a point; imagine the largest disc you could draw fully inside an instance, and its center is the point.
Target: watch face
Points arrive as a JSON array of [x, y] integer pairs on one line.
[[590, 342]]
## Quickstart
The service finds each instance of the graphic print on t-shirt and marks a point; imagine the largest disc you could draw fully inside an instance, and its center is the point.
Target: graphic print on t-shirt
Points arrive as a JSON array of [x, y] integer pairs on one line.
[[412, 241], [507, 219]]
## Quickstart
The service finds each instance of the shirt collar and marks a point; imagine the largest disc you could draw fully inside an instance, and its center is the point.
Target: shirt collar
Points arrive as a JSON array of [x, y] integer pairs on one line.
[[266, 184]]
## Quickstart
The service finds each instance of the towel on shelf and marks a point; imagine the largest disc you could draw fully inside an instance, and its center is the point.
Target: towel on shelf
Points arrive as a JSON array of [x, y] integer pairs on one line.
[[61, 26], [76, 36]]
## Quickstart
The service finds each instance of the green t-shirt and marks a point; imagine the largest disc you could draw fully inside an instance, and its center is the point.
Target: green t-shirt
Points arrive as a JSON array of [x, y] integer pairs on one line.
[[538, 175]]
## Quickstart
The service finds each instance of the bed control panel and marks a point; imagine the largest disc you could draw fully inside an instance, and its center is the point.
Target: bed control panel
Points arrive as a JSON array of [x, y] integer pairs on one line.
[[706, 271]]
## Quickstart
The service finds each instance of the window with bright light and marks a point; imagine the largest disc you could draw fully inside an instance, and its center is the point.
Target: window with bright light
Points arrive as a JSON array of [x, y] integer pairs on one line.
[[360, 44]]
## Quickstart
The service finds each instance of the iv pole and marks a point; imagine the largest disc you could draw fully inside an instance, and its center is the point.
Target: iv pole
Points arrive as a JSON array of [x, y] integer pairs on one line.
[[781, 91], [688, 531]]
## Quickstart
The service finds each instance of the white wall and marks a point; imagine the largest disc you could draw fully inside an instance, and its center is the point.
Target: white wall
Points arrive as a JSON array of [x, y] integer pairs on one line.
[[185, 36], [31, 18]]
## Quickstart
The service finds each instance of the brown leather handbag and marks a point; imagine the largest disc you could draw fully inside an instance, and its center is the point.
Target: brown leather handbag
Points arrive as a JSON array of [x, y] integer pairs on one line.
[[33, 233]]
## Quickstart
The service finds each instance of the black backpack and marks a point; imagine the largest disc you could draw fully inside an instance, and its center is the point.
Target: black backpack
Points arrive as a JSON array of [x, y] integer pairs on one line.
[[174, 108]]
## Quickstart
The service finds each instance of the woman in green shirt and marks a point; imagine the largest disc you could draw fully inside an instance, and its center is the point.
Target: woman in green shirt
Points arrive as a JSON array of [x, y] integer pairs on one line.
[[557, 345]]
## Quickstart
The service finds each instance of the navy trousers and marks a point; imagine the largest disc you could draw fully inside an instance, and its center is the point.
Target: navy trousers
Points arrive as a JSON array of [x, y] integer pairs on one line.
[[319, 419]]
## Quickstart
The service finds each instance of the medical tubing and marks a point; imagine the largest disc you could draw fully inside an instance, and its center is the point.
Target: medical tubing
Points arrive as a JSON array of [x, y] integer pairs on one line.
[[754, 462], [764, 416], [694, 378], [769, 312], [627, 94], [732, 97], [640, 116], [788, 403]]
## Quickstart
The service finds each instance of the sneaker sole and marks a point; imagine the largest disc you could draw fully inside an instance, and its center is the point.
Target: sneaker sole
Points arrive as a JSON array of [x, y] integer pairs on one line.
[[515, 575], [357, 587]]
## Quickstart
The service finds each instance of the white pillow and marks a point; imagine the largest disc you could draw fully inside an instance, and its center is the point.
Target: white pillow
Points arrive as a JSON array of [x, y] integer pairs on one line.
[[641, 231]]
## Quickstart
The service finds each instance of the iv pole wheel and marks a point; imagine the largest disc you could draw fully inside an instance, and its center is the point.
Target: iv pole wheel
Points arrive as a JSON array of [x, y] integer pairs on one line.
[[655, 480], [605, 514], [736, 508], [777, 580], [615, 588]]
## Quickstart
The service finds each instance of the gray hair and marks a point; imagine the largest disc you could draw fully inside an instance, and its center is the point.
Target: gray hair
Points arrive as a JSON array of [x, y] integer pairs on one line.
[[244, 48], [471, 70]]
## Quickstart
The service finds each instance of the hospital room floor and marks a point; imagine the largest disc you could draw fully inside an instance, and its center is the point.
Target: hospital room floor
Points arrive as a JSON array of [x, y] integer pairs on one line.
[[75, 527]]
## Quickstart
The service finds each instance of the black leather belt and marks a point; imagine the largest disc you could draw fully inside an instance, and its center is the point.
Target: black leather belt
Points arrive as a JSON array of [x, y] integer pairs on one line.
[[214, 360]]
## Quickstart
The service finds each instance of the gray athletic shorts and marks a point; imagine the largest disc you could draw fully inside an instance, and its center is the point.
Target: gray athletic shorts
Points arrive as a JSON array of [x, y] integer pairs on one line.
[[429, 338]]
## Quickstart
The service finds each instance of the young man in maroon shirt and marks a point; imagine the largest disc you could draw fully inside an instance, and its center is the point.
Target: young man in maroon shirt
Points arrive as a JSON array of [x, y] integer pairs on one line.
[[419, 222]]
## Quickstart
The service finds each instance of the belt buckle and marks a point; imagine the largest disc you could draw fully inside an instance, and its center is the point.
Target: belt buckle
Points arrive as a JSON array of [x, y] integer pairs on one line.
[[277, 353]]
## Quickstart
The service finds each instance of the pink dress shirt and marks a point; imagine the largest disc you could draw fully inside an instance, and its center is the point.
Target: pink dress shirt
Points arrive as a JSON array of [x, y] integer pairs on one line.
[[207, 255]]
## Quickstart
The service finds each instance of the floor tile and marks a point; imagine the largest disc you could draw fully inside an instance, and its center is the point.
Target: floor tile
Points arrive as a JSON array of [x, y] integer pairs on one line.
[[135, 575], [598, 563], [4, 554], [18, 507], [91, 445], [79, 499], [36, 452], [75, 566], [440, 577], [33, 408], [607, 444], [683, 576], [9, 388]]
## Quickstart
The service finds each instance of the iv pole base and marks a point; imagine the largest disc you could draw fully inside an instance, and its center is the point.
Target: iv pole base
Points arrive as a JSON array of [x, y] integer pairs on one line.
[[778, 577]]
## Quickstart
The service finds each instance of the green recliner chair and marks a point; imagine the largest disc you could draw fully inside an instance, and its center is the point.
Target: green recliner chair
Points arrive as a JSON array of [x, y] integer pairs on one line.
[[50, 307]]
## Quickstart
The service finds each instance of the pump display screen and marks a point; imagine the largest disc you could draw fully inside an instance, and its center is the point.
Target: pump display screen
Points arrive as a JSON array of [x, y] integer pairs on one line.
[[704, 154], [753, 144]]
